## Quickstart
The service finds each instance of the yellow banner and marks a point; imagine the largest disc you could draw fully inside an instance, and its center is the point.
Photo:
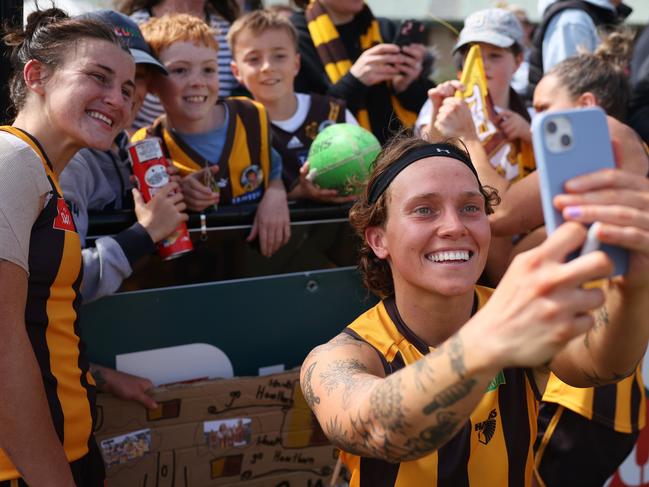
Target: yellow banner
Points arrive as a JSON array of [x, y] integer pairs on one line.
[[512, 159], [475, 92]]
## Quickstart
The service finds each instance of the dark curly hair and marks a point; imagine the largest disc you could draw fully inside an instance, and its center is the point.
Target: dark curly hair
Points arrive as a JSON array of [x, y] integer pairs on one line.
[[376, 272]]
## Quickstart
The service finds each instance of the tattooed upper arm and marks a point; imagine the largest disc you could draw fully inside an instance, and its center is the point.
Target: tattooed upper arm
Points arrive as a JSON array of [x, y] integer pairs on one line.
[[337, 371]]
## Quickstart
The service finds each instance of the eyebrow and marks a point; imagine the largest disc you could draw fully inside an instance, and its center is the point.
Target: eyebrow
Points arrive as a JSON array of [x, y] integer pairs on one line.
[[424, 196], [111, 71]]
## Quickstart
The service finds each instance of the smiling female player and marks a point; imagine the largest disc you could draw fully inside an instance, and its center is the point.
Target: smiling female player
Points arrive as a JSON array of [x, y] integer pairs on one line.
[[438, 384], [72, 88]]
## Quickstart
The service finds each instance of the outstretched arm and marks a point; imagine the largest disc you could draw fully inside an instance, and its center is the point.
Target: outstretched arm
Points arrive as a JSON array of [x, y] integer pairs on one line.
[[366, 413], [416, 410], [619, 200]]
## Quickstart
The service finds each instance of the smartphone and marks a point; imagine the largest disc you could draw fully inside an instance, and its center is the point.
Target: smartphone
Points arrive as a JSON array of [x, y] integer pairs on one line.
[[567, 144], [410, 32]]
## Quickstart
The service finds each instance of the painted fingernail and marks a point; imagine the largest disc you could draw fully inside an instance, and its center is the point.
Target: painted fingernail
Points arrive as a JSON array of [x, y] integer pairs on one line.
[[573, 211]]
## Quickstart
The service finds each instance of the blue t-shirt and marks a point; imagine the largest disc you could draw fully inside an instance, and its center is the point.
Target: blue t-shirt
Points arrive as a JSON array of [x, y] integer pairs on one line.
[[210, 146]]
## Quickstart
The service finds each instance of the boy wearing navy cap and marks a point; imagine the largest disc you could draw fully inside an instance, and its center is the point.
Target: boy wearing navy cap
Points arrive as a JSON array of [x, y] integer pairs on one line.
[[100, 180]]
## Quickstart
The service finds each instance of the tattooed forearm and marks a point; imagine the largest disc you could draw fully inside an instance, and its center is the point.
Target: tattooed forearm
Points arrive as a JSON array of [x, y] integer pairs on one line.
[[424, 374], [338, 436], [307, 388], [456, 355], [344, 372], [434, 437], [386, 405], [450, 396]]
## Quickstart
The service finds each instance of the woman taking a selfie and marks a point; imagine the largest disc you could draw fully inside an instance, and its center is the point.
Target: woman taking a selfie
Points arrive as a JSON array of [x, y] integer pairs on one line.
[[439, 383], [72, 87]]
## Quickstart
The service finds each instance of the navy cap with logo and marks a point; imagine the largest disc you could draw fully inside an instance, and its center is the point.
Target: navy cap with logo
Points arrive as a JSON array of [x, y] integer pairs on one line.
[[128, 31]]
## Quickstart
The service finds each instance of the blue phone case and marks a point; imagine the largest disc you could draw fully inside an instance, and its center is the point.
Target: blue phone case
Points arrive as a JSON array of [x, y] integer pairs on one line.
[[589, 150]]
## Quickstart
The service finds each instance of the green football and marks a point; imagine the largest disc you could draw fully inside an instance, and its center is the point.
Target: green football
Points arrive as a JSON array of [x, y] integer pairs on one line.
[[340, 157]]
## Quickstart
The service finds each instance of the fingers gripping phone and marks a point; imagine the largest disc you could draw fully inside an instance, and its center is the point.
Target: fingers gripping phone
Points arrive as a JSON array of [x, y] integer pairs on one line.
[[410, 32], [567, 144]]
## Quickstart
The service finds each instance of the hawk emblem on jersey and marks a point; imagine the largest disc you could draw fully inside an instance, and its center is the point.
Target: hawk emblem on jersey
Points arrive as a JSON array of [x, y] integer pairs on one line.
[[487, 428], [63, 220]]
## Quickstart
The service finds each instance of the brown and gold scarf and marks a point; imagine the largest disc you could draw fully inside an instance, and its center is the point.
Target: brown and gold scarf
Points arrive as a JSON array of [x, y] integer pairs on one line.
[[335, 58]]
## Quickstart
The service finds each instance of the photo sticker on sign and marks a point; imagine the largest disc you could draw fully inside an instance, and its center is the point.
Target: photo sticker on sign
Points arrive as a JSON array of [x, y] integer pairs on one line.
[[228, 433], [123, 448]]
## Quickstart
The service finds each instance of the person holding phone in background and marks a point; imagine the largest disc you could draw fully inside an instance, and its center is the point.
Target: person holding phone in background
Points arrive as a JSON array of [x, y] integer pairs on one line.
[[383, 84]]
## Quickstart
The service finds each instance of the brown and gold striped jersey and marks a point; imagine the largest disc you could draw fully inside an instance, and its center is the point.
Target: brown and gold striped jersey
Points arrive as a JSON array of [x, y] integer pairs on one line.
[[495, 447]]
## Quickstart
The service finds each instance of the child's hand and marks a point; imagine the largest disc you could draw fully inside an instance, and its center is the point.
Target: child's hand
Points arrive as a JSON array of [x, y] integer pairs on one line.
[[163, 213], [454, 119], [174, 174], [197, 195], [437, 96], [306, 190], [272, 222], [410, 66], [514, 126]]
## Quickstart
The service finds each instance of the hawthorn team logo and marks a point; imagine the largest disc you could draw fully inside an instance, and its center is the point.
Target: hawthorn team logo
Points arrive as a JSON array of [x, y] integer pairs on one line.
[[63, 220], [487, 428]]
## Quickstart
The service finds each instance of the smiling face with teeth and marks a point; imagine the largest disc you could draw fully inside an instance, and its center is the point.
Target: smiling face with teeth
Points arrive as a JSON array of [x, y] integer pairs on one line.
[[266, 63], [88, 99], [436, 237], [190, 92]]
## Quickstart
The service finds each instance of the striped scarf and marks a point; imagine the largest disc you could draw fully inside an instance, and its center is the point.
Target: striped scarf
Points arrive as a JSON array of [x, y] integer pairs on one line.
[[334, 56]]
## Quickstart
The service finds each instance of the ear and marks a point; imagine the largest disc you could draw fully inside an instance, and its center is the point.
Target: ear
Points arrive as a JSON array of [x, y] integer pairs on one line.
[[36, 75], [518, 59], [587, 99], [298, 62], [235, 71], [375, 238]]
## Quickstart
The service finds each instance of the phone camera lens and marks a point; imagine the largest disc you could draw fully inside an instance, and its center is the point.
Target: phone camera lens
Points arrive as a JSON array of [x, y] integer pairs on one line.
[[566, 140], [551, 127]]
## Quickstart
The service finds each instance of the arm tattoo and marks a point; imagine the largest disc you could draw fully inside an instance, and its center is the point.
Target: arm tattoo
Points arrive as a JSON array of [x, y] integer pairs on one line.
[[307, 388], [98, 375], [338, 436], [450, 396], [597, 381], [344, 372], [602, 320], [386, 404], [341, 340], [601, 317], [434, 437], [456, 354], [423, 374]]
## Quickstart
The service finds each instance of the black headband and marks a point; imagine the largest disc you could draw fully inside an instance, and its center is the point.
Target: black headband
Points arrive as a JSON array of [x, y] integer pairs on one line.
[[429, 150]]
